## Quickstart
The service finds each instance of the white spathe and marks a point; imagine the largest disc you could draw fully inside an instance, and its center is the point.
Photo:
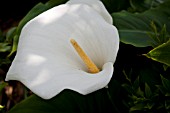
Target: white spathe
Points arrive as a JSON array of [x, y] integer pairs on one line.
[[47, 63]]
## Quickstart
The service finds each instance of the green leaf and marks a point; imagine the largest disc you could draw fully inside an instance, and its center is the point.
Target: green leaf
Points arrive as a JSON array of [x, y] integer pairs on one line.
[[128, 88], [134, 27], [142, 5], [149, 105], [52, 3], [127, 76], [4, 47], [2, 85], [139, 92], [10, 34], [159, 37], [161, 53], [136, 83], [166, 83], [139, 106], [148, 91], [162, 89], [14, 45], [167, 104], [1, 108], [66, 102]]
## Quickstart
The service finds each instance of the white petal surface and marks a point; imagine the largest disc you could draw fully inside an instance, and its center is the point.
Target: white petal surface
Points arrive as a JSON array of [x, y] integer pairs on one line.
[[97, 6], [47, 63]]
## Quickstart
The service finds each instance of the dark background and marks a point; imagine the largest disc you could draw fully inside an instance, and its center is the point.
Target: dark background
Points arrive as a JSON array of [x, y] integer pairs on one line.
[[12, 11], [16, 8]]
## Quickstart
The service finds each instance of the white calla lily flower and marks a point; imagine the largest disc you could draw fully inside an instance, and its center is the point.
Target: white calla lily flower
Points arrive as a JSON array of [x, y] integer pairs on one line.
[[47, 63]]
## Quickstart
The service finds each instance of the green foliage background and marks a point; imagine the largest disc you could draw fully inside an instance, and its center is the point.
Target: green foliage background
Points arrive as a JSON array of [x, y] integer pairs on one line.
[[141, 80]]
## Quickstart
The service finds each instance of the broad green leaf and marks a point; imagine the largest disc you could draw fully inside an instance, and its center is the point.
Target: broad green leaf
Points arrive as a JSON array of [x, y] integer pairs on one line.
[[134, 27], [66, 102], [52, 3], [142, 5], [161, 53]]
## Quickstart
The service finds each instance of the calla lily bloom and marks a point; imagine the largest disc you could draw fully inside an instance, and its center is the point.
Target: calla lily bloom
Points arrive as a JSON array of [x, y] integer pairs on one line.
[[46, 61]]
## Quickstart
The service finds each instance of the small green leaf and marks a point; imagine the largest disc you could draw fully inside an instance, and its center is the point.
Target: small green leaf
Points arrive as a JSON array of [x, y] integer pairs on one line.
[[165, 67], [162, 89], [166, 83], [136, 83], [167, 94], [127, 76], [14, 45], [139, 92], [148, 91], [139, 106], [1, 108], [4, 47], [149, 105], [2, 85], [142, 5], [10, 34], [159, 37], [128, 88], [167, 104], [160, 53]]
